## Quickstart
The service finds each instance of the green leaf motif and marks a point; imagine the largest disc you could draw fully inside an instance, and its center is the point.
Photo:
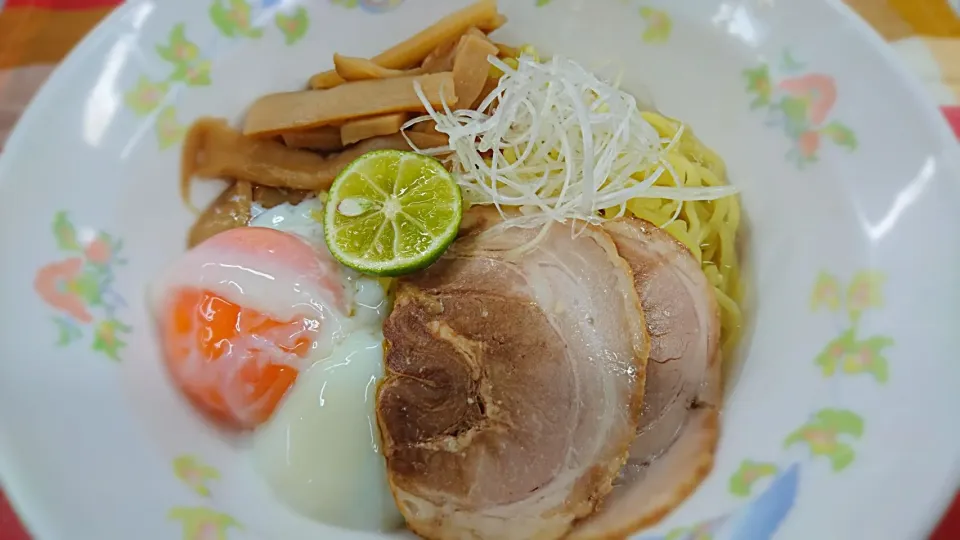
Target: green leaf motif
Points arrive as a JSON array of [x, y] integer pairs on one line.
[[350, 4], [835, 351], [179, 50], [234, 19], [195, 474], [193, 74], [855, 357], [67, 331], [701, 531], [798, 157], [169, 130], [294, 27], [842, 457], [758, 82], [795, 112], [201, 523], [146, 96], [826, 293], [221, 19], [65, 233], [88, 286], [865, 292], [107, 338], [749, 473], [677, 534], [866, 357], [659, 25], [680, 533], [840, 134], [822, 436], [841, 421], [789, 63]]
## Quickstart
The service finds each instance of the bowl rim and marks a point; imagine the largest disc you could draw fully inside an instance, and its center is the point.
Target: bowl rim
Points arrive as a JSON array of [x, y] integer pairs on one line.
[[950, 153], [34, 519]]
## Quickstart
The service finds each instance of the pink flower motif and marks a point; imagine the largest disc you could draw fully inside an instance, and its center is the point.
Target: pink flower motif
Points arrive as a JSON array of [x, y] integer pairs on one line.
[[809, 143], [860, 296], [52, 283], [866, 356], [820, 92], [207, 531], [99, 252]]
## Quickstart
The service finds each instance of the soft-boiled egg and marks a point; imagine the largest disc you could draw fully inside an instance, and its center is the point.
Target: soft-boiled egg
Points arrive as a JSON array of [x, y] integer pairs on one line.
[[263, 330]]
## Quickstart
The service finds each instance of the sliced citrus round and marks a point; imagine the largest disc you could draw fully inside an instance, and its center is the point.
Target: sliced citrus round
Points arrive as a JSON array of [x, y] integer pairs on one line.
[[391, 213]]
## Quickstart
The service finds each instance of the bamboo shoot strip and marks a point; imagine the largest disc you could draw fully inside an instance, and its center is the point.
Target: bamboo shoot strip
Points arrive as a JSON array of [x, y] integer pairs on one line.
[[276, 114], [375, 126], [351, 68], [410, 53], [470, 68], [324, 139], [215, 150]]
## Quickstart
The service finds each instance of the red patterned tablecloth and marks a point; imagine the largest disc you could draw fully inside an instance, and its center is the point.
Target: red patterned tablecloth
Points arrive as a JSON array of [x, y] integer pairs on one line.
[[36, 34]]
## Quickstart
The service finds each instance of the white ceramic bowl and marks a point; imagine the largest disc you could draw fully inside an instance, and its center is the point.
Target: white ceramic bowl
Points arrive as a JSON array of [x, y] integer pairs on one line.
[[840, 416]]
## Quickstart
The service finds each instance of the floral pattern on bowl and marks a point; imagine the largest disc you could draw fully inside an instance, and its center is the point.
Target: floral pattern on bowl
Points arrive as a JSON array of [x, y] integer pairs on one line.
[[800, 103], [829, 433], [235, 20], [200, 522], [80, 288]]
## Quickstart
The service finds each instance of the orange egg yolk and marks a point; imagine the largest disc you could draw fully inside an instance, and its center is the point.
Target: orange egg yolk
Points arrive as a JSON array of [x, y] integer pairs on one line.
[[234, 362]]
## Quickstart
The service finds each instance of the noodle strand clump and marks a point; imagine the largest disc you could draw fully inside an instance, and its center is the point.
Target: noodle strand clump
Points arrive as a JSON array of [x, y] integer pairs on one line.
[[707, 228]]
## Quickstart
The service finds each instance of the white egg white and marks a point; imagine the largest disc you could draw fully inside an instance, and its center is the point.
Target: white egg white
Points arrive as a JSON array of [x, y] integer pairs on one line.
[[320, 452], [304, 219]]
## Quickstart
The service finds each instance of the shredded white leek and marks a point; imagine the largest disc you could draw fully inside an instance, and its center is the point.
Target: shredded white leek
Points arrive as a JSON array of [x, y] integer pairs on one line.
[[559, 143]]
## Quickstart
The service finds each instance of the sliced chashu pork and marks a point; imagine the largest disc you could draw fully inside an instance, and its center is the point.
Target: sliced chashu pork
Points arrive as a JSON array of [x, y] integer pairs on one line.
[[514, 384], [678, 430]]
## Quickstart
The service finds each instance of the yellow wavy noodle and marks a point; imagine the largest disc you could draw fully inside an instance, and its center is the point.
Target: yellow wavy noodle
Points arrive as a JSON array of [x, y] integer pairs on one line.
[[707, 228]]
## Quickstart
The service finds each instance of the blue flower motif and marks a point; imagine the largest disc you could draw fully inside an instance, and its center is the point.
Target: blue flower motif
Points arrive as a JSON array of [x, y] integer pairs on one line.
[[761, 518], [757, 520]]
